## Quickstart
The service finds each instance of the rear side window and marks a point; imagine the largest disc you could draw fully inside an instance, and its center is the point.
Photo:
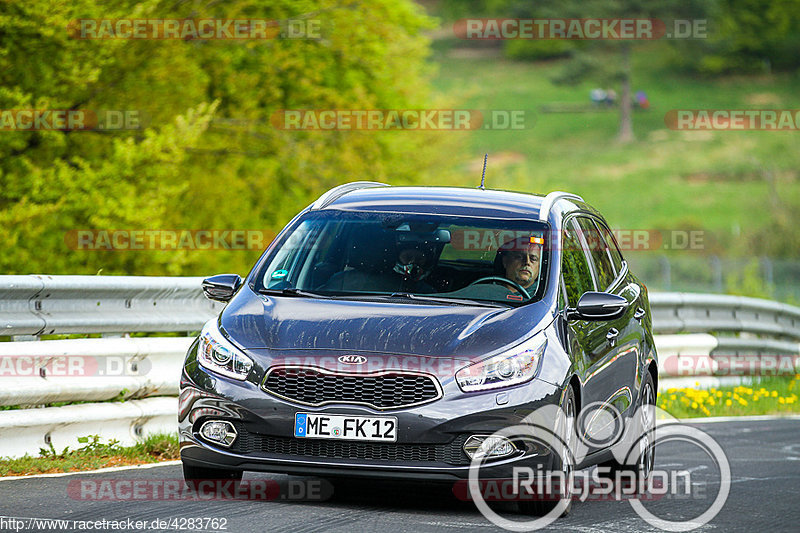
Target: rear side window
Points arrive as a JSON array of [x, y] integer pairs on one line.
[[598, 250], [574, 265], [611, 246]]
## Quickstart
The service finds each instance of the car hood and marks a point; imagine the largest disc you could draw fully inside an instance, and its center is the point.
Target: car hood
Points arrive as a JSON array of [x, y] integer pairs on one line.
[[258, 322]]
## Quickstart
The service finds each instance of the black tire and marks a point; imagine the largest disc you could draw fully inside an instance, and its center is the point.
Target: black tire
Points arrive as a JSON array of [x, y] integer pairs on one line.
[[642, 465], [542, 507], [193, 473]]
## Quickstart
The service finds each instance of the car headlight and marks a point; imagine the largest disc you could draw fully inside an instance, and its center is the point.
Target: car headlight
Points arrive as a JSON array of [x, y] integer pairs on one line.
[[218, 355], [513, 367]]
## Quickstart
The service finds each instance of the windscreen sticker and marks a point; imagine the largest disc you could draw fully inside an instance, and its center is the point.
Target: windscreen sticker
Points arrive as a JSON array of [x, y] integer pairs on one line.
[[279, 274]]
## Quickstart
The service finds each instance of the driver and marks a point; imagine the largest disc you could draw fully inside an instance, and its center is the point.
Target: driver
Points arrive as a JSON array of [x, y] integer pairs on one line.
[[520, 260]]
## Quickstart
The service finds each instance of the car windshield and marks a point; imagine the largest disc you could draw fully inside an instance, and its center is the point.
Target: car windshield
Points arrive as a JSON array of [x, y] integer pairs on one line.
[[430, 258]]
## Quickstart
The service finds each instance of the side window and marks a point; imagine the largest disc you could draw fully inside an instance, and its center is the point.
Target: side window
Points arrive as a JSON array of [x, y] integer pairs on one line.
[[574, 265], [597, 249], [613, 249]]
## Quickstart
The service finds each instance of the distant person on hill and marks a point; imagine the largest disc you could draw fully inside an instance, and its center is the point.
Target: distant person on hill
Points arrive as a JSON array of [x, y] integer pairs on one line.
[[641, 100], [598, 96]]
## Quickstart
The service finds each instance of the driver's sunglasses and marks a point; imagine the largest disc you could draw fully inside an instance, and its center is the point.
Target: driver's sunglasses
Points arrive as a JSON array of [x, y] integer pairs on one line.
[[520, 256]]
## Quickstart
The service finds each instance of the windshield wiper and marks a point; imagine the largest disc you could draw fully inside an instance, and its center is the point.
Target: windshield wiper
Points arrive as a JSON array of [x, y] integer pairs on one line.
[[291, 291], [448, 301]]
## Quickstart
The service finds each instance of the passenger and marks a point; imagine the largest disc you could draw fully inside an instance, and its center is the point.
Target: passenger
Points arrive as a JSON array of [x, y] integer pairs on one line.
[[415, 262], [378, 266]]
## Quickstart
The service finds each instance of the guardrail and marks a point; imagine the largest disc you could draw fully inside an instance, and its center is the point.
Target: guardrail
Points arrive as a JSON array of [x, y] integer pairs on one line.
[[676, 312], [693, 332], [53, 305]]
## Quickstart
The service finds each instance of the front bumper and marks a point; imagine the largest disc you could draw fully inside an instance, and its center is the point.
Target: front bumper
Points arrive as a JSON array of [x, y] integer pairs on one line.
[[429, 442]]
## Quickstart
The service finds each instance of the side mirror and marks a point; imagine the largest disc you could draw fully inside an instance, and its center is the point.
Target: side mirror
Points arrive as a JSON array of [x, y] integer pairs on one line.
[[221, 287], [598, 306]]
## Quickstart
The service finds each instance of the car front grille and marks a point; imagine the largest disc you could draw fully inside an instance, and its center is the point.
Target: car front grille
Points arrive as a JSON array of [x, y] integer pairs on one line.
[[253, 443], [382, 390]]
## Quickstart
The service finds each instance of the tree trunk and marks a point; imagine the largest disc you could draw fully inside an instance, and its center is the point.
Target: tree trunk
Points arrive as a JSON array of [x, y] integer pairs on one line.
[[625, 105]]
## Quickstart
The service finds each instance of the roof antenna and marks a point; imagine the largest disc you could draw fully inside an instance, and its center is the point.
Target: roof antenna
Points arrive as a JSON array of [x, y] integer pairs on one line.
[[483, 174]]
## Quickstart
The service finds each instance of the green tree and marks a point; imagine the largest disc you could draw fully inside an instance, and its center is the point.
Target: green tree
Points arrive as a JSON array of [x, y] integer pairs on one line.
[[755, 35], [207, 156]]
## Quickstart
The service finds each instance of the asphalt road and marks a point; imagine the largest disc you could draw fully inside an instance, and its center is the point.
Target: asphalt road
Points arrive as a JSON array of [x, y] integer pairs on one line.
[[764, 457]]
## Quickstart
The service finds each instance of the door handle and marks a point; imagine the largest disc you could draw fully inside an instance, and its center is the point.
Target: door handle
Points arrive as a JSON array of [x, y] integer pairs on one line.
[[639, 314], [611, 336]]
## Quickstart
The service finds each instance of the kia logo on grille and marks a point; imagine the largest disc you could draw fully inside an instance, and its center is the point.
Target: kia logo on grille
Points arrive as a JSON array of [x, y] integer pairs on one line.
[[352, 359]]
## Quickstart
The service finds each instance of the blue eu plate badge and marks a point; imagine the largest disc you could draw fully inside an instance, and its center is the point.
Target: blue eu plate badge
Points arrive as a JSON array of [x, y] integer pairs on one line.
[[300, 425]]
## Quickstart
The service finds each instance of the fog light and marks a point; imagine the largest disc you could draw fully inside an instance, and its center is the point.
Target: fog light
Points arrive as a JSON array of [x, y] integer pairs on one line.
[[489, 446], [219, 431]]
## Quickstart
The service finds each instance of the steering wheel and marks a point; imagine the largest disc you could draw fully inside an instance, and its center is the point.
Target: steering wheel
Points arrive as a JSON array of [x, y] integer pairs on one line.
[[500, 279]]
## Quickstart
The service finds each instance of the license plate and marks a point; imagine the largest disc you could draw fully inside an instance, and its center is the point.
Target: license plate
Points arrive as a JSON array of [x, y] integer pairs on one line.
[[318, 426]]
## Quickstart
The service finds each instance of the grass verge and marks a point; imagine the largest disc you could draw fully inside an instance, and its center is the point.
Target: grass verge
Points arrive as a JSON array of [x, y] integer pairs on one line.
[[92, 455], [761, 396]]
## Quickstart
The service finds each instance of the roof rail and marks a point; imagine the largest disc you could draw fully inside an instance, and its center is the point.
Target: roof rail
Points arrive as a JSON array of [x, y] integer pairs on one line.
[[337, 192], [550, 199]]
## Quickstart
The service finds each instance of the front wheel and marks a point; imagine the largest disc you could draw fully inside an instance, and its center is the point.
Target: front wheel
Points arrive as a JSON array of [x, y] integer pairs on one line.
[[562, 461], [644, 456]]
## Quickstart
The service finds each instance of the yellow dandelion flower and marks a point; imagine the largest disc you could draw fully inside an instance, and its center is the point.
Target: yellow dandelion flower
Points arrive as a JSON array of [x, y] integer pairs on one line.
[[728, 403]]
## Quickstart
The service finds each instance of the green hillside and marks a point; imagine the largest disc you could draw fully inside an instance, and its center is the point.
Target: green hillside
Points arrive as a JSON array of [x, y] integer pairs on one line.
[[733, 184]]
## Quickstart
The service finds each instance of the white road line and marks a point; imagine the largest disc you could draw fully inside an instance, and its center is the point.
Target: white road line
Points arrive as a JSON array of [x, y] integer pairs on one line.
[[99, 470]]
